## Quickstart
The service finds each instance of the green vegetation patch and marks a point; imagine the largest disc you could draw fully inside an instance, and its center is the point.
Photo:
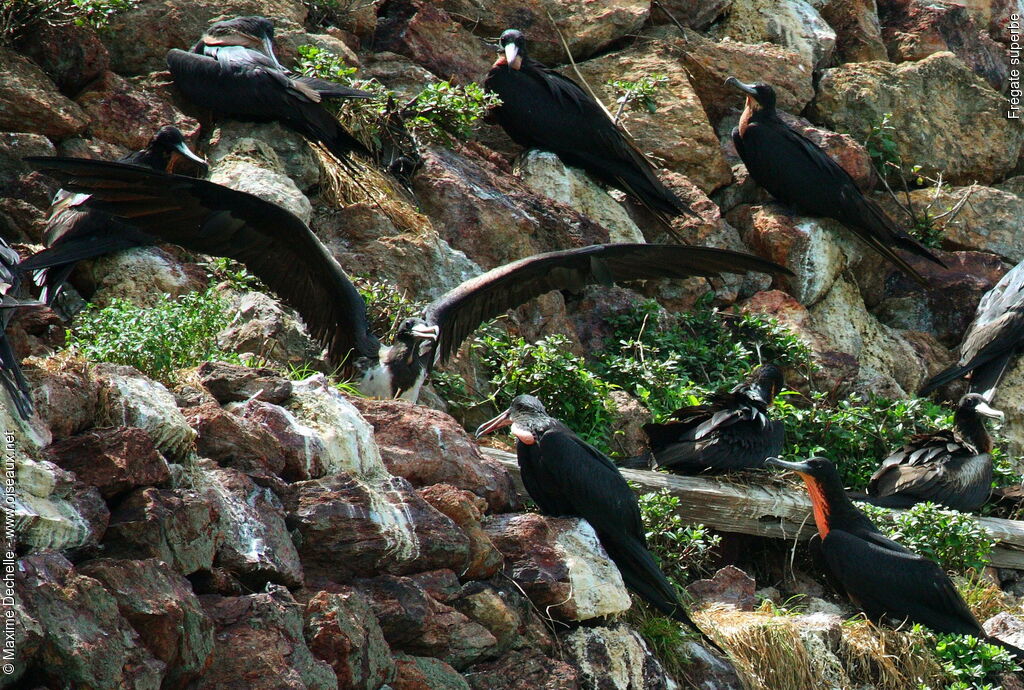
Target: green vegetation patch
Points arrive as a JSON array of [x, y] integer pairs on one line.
[[952, 539]]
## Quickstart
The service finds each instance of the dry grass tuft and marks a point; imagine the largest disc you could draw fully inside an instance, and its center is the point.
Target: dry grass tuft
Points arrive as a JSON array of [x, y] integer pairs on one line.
[[887, 659]]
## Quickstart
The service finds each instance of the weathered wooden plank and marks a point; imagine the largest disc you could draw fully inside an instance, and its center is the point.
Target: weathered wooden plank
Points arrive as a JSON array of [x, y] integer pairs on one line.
[[769, 511]]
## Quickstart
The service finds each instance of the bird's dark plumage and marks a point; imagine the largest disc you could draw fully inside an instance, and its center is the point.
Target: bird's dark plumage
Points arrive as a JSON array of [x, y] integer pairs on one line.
[[952, 467], [12, 298], [887, 581], [798, 173], [75, 231], [730, 432], [566, 477], [993, 339], [545, 110], [232, 70], [279, 248]]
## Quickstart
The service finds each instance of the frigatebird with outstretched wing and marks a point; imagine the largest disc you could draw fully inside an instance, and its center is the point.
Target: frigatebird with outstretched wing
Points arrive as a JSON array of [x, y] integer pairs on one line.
[[543, 109], [992, 341], [281, 250], [75, 231], [12, 298], [232, 70], [797, 172]]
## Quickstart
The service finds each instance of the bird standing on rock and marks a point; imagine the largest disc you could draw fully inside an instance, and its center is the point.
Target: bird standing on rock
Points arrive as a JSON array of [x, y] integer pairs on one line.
[[75, 231], [284, 253], [884, 579], [952, 467], [794, 170], [732, 431], [567, 477], [232, 70], [542, 109]]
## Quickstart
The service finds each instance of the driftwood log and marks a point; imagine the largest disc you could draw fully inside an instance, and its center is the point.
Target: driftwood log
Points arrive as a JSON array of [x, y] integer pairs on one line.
[[770, 510]]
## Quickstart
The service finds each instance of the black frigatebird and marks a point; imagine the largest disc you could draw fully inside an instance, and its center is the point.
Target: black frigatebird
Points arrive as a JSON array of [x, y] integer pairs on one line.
[[281, 250], [12, 298], [567, 477], [884, 579], [232, 70], [952, 467], [75, 231], [542, 109], [794, 170], [993, 339], [732, 431]]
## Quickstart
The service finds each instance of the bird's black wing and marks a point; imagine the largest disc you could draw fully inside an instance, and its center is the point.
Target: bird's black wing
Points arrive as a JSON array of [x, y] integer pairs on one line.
[[887, 580], [237, 83], [797, 172], [210, 218], [11, 298], [462, 309]]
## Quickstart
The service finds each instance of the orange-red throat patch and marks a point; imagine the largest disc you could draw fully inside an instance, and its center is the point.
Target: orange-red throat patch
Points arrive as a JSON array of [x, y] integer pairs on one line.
[[819, 504], [748, 112]]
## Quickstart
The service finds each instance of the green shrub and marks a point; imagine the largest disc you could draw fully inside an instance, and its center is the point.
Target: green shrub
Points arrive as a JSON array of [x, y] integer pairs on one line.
[[853, 434], [952, 539], [98, 13], [18, 17], [317, 62], [549, 370], [683, 550], [443, 111], [157, 340], [386, 306], [638, 94], [968, 662]]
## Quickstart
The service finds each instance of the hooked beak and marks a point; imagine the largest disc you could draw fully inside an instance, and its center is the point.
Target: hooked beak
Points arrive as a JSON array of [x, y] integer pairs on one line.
[[983, 408], [183, 151], [801, 467], [511, 53], [268, 48], [746, 88], [424, 332], [502, 420]]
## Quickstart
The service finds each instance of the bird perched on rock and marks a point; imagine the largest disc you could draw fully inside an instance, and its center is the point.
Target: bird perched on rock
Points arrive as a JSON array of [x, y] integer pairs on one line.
[[794, 170], [884, 579], [992, 341], [283, 252], [542, 109], [12, 298], [232, 70], [951, 467], [567, 477], [75, 231], [732, 431]]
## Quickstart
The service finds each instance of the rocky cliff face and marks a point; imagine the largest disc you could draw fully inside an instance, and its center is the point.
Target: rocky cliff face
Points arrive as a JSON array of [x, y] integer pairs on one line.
[[243, 530]]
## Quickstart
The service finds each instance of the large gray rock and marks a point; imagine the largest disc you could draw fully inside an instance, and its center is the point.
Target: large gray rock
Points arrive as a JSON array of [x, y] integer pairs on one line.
[[142, 276], [30, 102], [615, 657], [795, 24], [268, 144], [944, 117]]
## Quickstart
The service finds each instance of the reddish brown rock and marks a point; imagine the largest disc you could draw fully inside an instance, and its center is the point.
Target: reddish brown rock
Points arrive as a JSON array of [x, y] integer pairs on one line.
[[30, 102], [710, 63], [729, 585], [259, 644], [946, 308], [177, 527], [351, 529], [83, 639], [467, 509], [236, 383], [302, 450], [914, 29], [64, 394], [234, 441], [342, 630], [121, 113], [426, 33], [490, 215], [429, 447], [695, 15], [858, 33], [425, 673], [523, 668], [489, 606], [115, 459], [70, 54], [256, 546], [161, 607], [415, 623]]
